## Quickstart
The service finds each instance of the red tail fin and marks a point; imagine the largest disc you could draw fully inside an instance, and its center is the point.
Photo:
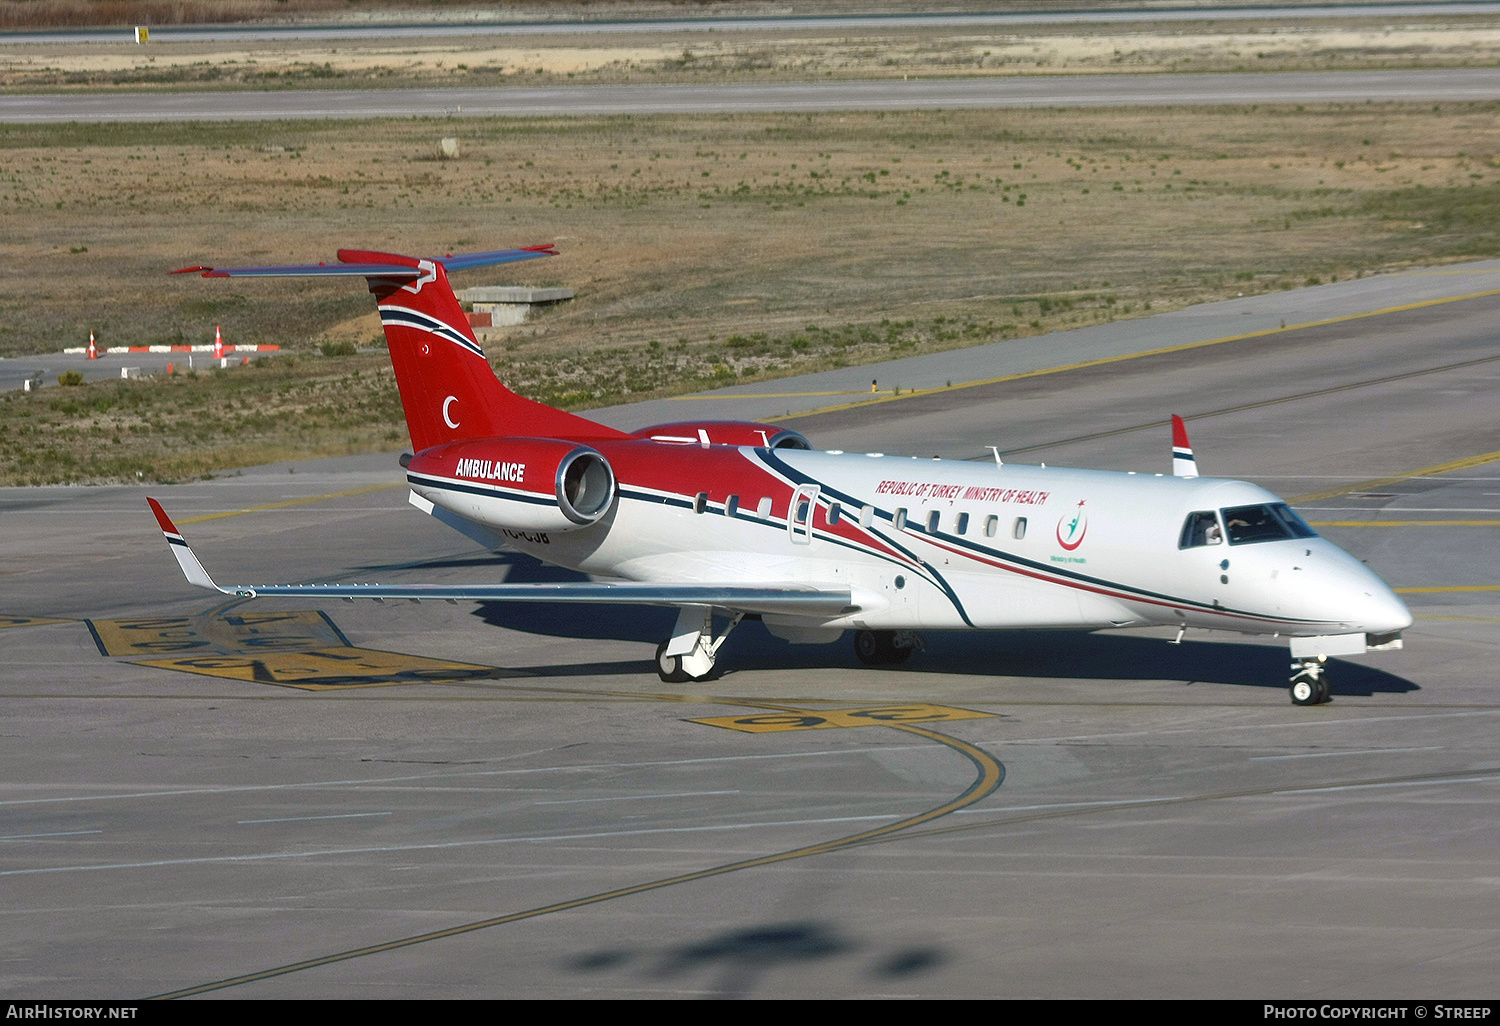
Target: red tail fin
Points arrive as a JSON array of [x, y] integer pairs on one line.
[[448, 389]]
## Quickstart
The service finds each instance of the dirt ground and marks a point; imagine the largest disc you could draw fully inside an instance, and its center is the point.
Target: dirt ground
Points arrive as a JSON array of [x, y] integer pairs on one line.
[[689, 228], [769, 55], [713, 249]]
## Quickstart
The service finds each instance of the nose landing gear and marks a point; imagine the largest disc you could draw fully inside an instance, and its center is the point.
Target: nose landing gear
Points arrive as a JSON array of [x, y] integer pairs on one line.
[[1309, 684]]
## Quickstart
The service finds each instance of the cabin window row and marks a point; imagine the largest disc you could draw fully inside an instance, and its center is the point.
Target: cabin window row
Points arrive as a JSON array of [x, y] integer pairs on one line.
[[761, 510], [866, 516], [959, 524]]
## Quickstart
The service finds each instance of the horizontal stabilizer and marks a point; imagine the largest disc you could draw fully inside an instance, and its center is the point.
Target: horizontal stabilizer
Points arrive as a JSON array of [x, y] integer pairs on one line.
[[791, 598], [354, 262]]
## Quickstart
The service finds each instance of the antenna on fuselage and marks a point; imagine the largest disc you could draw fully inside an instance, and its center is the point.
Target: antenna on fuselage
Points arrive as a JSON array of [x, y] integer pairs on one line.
[[994, 449]]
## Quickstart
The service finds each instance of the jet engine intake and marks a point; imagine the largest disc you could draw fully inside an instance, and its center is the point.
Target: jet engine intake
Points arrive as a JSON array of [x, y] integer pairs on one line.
[[517, 484]]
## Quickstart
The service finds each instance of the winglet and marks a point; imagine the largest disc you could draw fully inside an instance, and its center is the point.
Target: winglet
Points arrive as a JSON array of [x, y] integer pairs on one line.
[[191, 568], [1183, 463]]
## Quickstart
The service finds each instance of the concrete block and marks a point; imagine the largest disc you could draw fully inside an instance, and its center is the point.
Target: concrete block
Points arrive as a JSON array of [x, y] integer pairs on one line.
[[514, 294]]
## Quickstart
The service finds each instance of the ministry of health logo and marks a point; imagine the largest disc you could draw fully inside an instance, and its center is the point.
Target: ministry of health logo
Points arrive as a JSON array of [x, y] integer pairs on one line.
[[1071, 527]]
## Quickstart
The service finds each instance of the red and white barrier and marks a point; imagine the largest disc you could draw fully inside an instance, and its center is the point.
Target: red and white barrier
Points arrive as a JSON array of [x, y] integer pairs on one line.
[[178, 349]]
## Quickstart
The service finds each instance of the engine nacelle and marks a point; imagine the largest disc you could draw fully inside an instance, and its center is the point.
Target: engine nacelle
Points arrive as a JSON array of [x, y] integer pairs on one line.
[[725, 432], [517, 484]]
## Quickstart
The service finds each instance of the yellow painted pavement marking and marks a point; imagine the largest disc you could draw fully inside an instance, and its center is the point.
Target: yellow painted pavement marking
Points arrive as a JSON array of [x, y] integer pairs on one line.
[[325, 669], [1381, 482], [1106, 360], [231, 634], [298, 648], [989, 777], [292, 502], [29, 621], [769, 395], [1465, 619], [879, 716], [1437, 590]]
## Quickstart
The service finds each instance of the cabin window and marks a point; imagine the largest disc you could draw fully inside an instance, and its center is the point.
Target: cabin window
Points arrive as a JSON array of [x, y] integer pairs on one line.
[[764, 509], [933, 519], [700, 502], [899, 520], [732, 506], [834, 510], [1200, 528], [866, 516], [1247, 525], [991, 525], [1018, 530], [962, 523]]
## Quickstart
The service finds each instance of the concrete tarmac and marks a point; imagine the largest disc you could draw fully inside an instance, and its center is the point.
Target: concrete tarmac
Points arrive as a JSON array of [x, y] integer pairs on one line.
[[1107, 90], [272, 800]]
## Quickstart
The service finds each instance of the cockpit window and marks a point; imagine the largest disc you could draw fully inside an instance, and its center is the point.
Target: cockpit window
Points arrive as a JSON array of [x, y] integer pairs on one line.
[[1293, 522], [1200, 528], [1275, 522]]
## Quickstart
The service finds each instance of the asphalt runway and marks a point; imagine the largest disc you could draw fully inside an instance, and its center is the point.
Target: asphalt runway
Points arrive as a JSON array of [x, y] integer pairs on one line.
[[494, 23], [272, 800], [1126, 90]]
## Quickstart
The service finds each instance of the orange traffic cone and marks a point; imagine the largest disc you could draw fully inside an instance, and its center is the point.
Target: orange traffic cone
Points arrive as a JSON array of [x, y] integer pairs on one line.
[[218, 344], [93, 350]]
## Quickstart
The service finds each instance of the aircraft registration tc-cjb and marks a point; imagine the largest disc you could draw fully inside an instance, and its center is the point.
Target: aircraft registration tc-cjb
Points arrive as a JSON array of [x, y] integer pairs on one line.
[[742, 519]]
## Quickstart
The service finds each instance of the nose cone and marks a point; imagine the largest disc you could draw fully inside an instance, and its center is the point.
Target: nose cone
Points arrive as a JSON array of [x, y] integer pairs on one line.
[[1381, 610], [1359, 598]]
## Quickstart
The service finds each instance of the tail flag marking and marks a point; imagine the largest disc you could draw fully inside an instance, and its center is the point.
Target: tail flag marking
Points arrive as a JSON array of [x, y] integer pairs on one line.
[[1183, 462]]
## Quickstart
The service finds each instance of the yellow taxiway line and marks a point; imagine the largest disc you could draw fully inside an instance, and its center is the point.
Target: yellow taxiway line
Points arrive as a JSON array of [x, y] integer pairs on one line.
[[1385, 482], [1439, 589], [291, 502], [1106, 360]]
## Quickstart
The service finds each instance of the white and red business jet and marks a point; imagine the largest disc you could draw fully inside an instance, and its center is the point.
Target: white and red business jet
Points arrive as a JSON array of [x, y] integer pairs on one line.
[[744, 519]]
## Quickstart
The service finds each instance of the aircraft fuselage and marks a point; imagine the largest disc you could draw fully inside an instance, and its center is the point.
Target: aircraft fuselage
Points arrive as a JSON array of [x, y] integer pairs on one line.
[[941, 544]]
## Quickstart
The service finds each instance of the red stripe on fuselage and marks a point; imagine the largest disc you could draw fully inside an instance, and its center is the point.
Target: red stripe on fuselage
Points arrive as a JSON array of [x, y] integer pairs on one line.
[[719, 471], [1110, 593]]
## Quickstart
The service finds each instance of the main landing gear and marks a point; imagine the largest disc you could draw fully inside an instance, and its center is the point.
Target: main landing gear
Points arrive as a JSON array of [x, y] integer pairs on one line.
[[1309, 684], [690, 652], [885, 648]]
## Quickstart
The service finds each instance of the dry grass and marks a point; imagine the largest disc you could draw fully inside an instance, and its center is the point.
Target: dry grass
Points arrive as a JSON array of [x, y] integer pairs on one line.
[[741, 246], [26, 14], [172, 428], [763, 54]]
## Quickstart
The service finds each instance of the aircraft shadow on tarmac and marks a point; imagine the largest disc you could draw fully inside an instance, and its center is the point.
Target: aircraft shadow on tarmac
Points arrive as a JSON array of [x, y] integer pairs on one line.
[[740, 958], [1027, 654]]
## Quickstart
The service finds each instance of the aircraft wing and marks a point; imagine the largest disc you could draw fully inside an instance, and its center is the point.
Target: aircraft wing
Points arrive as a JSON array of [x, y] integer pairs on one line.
[[790, 599]]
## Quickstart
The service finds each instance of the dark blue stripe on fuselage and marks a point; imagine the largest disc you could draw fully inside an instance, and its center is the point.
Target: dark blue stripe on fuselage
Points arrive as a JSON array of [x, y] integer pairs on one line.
[[488, 491], [1130, 590]]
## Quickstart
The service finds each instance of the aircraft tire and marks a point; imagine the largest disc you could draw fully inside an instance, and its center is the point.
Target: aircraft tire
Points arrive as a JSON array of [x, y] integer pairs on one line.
[[1308, 688], [669, 668], [878, 648]]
